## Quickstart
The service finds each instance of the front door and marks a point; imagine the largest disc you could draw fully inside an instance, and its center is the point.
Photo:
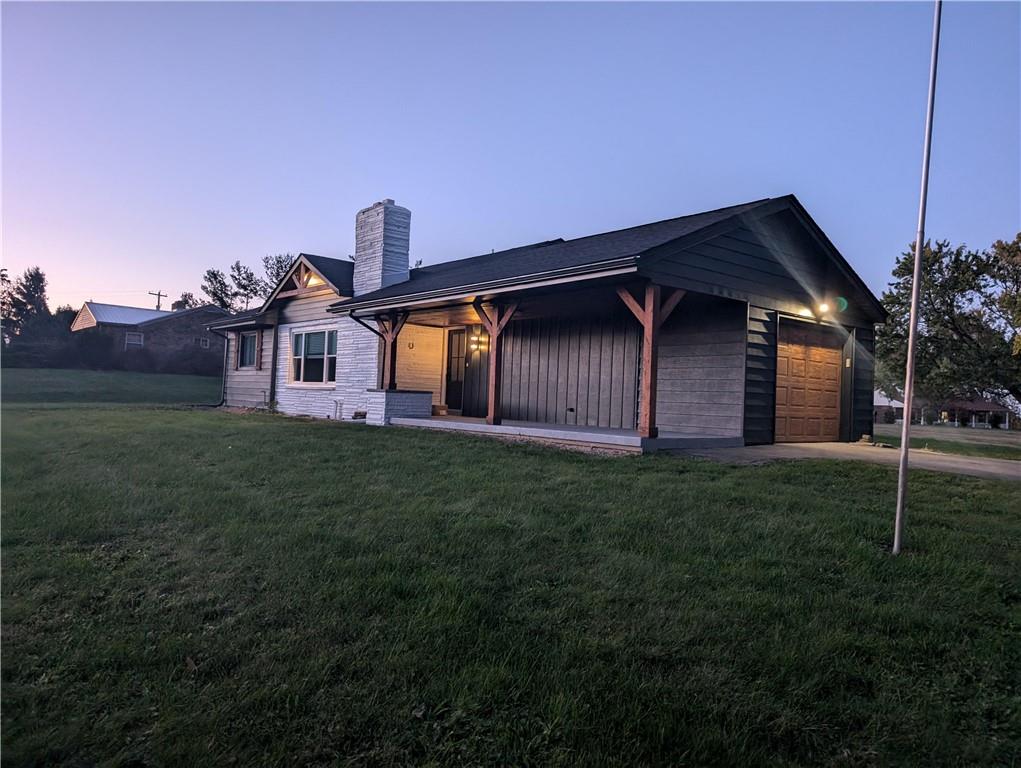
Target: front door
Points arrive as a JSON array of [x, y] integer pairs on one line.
[[455, 369]]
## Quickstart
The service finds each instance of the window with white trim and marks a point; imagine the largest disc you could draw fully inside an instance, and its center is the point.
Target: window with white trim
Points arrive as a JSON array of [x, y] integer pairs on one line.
[[133, 339], [204, 343], [247, 352], [314, 357]]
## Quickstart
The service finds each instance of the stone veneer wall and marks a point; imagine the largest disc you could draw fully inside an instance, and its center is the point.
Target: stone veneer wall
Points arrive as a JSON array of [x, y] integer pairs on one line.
[[382, 239], [384, 405]]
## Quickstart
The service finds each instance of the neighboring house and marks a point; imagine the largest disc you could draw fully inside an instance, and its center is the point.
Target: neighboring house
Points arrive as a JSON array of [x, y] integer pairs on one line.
[[738, 325], [958, 412], [151, 339]]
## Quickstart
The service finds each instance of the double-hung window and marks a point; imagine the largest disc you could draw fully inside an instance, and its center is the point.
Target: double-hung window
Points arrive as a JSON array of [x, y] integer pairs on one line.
[[314, 357], [132, 339], [246, 353]]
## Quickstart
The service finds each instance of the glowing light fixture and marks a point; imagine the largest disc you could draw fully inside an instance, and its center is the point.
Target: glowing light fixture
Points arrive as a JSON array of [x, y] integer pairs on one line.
[[824, 308]]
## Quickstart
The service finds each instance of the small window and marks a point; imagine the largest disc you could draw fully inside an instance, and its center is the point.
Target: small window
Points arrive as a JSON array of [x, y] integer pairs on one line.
[[314, 357], [246, 355], [204, 343], [132, 340]]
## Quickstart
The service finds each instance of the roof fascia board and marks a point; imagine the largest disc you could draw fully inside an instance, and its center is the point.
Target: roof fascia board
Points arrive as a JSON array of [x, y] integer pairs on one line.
[[626, 266]]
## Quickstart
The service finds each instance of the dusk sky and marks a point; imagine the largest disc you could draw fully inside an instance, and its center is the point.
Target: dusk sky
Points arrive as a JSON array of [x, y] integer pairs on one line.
[[144, 143]]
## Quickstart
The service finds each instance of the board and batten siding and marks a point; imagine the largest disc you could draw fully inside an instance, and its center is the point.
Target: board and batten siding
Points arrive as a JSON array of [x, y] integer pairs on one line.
[[421, 365], [570, 370], [701, 368], [249, 387]]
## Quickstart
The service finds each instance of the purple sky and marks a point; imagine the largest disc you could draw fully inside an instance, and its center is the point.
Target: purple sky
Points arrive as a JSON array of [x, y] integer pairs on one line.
[[143, 143]]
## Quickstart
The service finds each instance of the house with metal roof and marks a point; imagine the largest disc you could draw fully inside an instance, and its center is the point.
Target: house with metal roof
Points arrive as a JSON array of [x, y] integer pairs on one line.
[[737, 325], [150, 339]]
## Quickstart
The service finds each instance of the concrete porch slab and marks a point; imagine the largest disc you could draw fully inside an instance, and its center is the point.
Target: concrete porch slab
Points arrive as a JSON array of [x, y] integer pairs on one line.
[[599, 437]]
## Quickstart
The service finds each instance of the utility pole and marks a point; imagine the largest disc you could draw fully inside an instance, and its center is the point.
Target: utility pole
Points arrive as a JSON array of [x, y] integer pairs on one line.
[[909, 374], [158, 296]]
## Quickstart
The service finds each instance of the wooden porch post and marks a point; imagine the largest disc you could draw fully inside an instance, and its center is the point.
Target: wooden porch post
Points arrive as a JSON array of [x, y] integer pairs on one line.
[[389, 329], [651, 313], [494, 327]]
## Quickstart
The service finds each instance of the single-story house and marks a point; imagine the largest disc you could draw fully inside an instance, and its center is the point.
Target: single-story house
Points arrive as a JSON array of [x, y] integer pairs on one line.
[[734, 326], [152, 339], [958, 412]]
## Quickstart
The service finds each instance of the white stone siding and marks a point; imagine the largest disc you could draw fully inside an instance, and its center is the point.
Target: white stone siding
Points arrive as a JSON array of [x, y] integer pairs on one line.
[[382, 240], [359, 369], [384, 405], [420, 360], [305, 399]]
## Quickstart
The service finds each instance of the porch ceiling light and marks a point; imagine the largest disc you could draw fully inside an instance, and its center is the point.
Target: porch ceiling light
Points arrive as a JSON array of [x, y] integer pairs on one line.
[[824, 308]]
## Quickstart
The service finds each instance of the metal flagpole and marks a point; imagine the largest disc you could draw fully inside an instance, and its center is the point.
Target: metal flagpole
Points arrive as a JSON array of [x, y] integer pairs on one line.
[[909, 376]]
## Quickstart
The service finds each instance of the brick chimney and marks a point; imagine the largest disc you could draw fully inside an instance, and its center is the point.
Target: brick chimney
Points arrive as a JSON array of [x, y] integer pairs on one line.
[[382, 237]]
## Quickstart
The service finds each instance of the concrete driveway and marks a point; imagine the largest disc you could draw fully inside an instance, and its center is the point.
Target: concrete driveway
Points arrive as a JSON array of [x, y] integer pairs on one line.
[[955, 434], [998, 469]]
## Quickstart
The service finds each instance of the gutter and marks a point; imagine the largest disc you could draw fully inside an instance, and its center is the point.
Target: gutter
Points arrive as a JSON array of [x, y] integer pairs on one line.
[[598, 269]]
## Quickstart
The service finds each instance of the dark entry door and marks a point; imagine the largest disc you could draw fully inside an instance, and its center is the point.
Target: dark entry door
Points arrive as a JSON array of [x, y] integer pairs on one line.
[[455, 369]]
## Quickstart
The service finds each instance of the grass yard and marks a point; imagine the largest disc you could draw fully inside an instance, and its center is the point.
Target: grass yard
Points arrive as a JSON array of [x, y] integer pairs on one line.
[[984, 450], [200, 588], [51, 385]]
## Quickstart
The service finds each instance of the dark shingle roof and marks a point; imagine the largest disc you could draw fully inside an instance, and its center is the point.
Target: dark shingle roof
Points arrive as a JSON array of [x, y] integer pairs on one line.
[[549, 255], [340, 272]]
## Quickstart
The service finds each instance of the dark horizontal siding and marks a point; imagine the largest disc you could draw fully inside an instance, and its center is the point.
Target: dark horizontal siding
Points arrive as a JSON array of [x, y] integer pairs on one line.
[[760, 376], [772, 264], [701, 368]]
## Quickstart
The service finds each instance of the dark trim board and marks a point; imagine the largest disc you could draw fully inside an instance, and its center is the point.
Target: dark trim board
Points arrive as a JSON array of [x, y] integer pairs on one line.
[[760, 376]]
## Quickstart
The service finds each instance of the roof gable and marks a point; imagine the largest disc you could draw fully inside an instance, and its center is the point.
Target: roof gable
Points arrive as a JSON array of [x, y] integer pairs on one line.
[[310, 273], [116, 314]]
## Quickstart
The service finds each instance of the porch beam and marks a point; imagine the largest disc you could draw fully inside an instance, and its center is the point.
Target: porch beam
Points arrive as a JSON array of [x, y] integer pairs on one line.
[[670, 304], [629, 301]]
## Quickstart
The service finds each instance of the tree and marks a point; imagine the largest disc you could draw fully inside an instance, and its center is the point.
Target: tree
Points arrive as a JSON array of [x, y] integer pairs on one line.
[[219, 291], [276, 268], [247, 285], [968, 321], [187, 301], [6, 305], [23, 300]]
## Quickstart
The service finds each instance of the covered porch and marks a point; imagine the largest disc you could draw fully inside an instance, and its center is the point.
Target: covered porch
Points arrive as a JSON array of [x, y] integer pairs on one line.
[[586, 365]]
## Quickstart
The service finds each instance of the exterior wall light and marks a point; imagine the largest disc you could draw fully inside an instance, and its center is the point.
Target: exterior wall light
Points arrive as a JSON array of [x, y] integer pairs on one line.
[[824, 308]]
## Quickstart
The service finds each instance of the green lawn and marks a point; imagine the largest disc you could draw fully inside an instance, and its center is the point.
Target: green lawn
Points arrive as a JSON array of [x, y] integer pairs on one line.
[[195, 587], [984, 450], [51, 385]]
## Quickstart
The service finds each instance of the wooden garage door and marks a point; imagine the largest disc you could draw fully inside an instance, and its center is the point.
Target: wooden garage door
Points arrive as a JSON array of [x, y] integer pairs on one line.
[[807, 383]]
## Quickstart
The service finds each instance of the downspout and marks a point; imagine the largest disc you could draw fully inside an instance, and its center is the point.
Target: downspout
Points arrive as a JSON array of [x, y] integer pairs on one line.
[[223, 378], [273, 369]]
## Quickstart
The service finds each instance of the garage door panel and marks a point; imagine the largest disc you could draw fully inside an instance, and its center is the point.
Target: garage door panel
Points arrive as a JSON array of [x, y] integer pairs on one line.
[[808, 383]]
